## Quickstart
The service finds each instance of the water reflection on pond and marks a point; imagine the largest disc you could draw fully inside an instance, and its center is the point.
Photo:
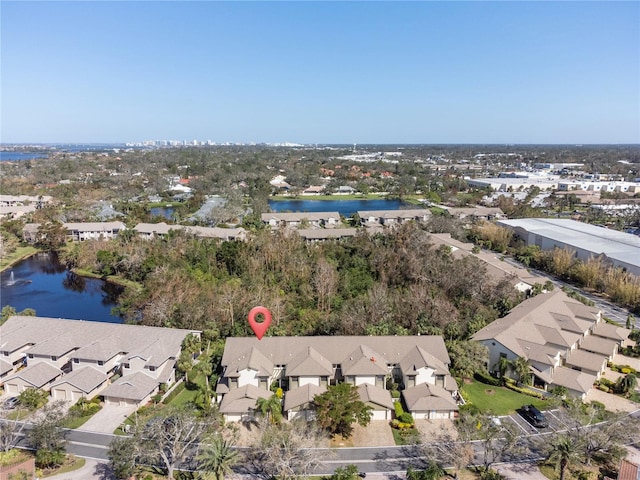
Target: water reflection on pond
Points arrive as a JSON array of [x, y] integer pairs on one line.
[[42, 283]]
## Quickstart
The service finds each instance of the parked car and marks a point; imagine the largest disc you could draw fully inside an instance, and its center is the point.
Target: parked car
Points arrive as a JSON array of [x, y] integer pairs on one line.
[[534, 416], [11, 403]]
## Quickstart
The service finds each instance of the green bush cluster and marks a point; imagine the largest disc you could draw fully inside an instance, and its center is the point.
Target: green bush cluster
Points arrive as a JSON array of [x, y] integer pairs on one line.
[[403, 420], [484, 377], [85, 408], [624, 369], [397, 424], [174, 393], [397, 406], [525, 391]]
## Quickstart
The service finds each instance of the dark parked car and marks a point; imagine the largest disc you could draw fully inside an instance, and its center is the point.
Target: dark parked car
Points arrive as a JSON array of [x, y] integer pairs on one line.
[[534, 416], [11, 403]]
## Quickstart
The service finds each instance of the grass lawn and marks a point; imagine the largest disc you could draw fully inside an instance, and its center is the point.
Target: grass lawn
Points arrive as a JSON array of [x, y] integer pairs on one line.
[[15, 257], [71, 463], [500, 400], [77, 422], [406, 437]]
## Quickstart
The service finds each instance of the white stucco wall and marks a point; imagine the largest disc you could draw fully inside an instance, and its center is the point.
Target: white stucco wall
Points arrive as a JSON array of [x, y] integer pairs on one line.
[[361, 380], [247, 377], [308, 380]]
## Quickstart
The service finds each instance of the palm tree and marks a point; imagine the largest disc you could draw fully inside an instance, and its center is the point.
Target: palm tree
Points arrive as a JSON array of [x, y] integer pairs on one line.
[[503, 367], [562, 451], [521, 367], [271, 408], [626, 384], [217, 458]]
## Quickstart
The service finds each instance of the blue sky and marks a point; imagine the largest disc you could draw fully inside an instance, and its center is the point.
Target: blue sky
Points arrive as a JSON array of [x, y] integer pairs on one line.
[[321, 72]]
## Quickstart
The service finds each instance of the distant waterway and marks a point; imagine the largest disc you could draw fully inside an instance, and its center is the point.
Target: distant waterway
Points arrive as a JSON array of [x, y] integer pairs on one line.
[[41, 282], [13, 156], [346, 208]]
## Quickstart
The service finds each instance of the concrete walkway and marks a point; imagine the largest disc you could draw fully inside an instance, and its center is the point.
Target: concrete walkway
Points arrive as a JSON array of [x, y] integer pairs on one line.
[[92, 470]]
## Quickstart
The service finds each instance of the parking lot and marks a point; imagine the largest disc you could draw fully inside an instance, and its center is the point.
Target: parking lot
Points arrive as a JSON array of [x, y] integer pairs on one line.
[[556, 418]]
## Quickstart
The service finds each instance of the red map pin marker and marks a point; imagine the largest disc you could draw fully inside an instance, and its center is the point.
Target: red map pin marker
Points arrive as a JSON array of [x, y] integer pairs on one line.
[[259, 328]]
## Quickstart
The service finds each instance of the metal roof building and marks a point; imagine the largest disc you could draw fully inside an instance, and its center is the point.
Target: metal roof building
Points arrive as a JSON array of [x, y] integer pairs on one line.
[[621, 249]]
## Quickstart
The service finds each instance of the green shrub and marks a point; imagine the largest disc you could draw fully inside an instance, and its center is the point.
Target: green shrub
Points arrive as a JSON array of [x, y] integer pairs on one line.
[[49, 458], [395, 394], [627, 370], [395, 423], [406, 418], [606, 382], [486, 378], [604, 388], [525, 391], [174, 393], [397, 406]]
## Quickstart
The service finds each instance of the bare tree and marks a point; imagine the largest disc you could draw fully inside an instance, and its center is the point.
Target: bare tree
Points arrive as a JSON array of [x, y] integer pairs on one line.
[[170, 439], [288, 450], [325, 281], [9, 430], [448, 450]]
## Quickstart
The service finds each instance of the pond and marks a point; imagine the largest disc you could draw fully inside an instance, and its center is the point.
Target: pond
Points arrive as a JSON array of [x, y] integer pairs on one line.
[[41, 282], [346, 208]]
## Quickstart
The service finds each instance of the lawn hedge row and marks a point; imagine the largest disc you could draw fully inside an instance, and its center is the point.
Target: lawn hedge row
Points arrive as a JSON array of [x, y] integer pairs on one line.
[[484, 377]]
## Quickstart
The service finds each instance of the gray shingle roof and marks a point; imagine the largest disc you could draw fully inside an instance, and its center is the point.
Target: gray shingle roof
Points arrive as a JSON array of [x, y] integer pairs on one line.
[[85, 379], [309, 362], [427, 397], [553, 310], [302, 395], [573, 379], [37, 374], [364, 361], [594, 344], [418, 358], [136, 387], [94, 340], [612, 332], [376, 395], [254, 360], [243, 399], [582, 359], [281, 350]]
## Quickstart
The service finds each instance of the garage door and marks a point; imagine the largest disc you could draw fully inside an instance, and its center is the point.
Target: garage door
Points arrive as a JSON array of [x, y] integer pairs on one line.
[[76, 395], [60, 394], [12, 388], [379, 415]]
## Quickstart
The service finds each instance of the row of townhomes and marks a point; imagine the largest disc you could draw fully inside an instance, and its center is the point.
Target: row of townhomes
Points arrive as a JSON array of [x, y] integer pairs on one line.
[[79, 232], [373, 218], [72, 359], [304, 366], [566, 343], [15, 206]]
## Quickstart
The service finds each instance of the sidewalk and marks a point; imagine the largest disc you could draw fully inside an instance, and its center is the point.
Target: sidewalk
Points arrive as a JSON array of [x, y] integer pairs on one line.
[[92, 470]]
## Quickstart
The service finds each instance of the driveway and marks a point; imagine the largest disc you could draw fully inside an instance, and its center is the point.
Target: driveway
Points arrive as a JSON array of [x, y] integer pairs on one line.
[[108, 419], [612, 402]]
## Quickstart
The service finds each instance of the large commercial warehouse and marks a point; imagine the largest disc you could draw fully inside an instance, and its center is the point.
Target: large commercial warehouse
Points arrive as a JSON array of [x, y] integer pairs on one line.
[[622, 249]]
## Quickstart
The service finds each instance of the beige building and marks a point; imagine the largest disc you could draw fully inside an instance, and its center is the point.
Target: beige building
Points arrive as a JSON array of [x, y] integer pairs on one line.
[[565, 342], [91, 353], [305, 366]]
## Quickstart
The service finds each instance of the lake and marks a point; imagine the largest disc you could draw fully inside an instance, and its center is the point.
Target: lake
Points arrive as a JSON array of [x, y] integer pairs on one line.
[[12, 156], [41, 282], [346, 208]]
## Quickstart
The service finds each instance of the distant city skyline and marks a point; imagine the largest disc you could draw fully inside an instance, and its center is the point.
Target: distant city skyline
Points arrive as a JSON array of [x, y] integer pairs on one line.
[[321, 72]]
